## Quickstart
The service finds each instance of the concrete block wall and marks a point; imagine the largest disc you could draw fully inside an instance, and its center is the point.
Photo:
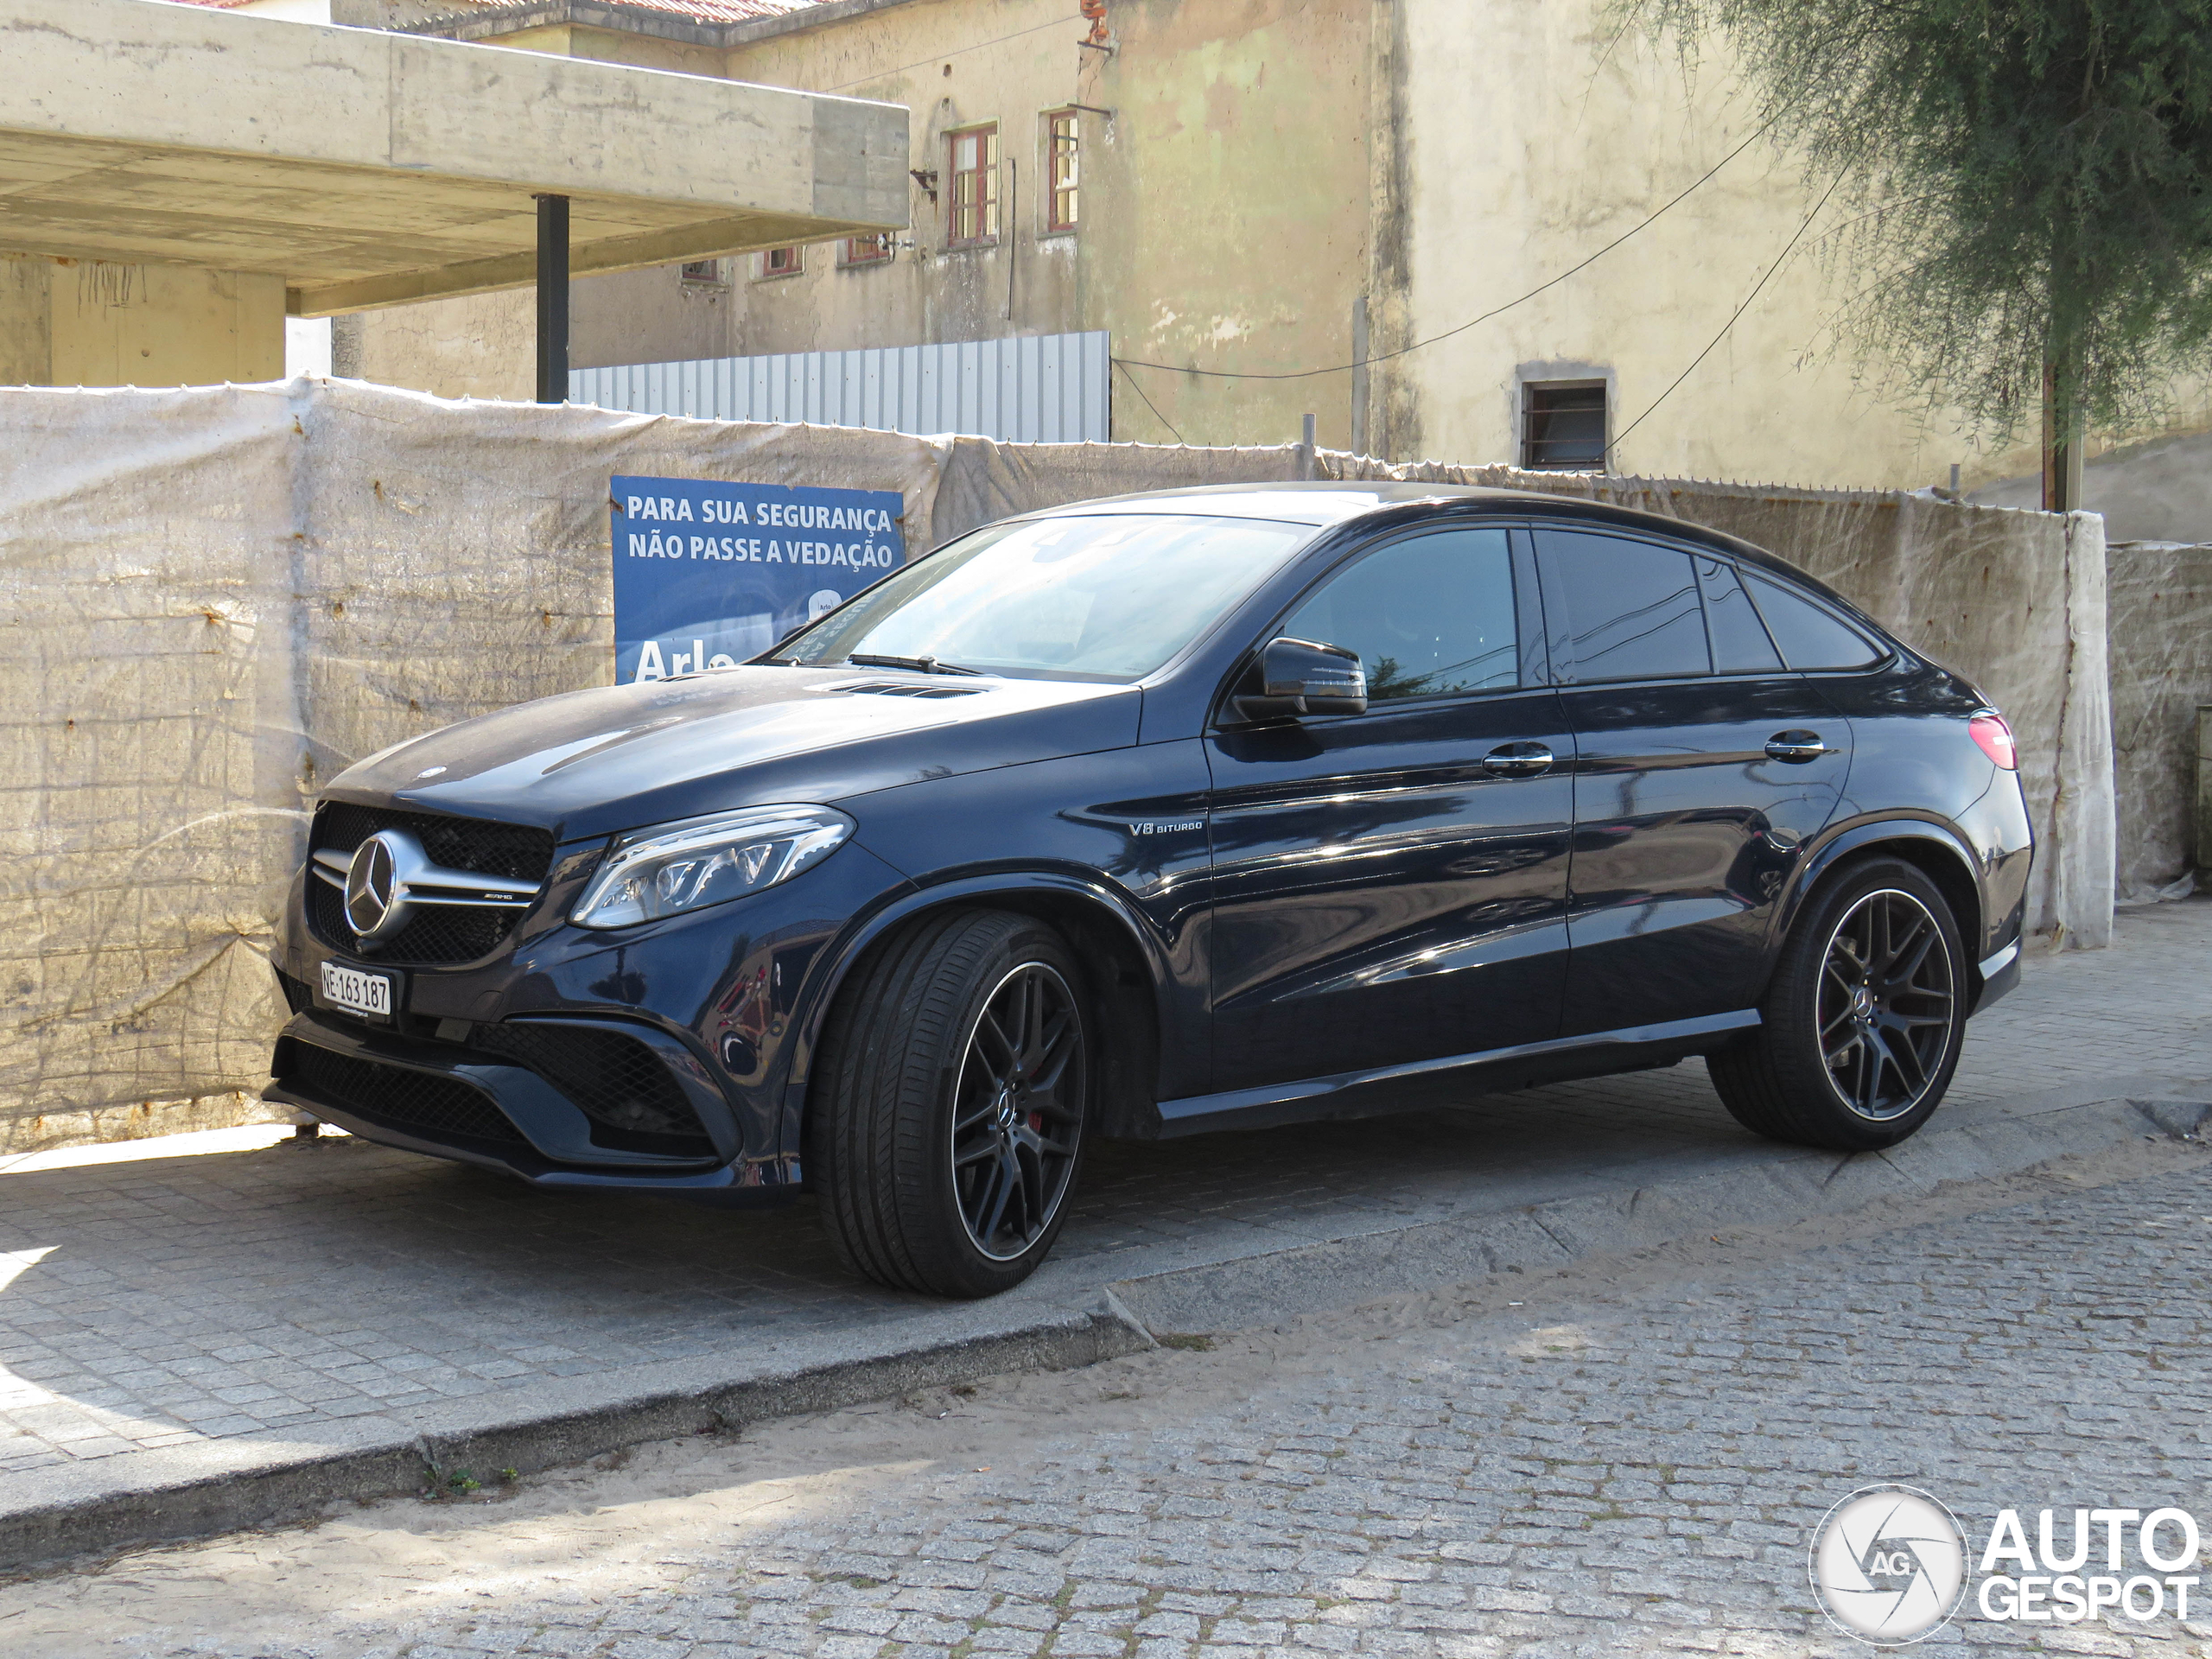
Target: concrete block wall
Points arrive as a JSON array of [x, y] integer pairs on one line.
[[2160, 603]]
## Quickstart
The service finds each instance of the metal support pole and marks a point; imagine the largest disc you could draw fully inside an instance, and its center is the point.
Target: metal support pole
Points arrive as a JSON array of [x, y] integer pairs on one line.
[[552, 299], [1307, 444]]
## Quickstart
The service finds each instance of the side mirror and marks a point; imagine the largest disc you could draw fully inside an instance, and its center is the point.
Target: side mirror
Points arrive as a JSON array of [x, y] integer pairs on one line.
[[1303, 677]]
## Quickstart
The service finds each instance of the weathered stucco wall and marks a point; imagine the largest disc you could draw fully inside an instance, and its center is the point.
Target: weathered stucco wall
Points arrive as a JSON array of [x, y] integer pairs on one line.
[[2160, 598], [1267, 166], [1224, 209], [83, 322], [1533, 144], [482, 346]]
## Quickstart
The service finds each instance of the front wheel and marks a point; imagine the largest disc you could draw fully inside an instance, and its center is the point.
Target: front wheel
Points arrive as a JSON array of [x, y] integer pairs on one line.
[[1863, 1021], [945, 1127]]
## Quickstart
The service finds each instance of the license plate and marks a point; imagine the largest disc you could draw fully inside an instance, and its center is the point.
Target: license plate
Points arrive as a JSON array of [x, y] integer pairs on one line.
[[356, 989]]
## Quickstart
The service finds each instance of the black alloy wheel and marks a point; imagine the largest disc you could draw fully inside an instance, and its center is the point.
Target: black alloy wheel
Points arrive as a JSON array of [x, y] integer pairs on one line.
[[1861, 1025], [1018, 1110], [944, 1124], [1887, 988]]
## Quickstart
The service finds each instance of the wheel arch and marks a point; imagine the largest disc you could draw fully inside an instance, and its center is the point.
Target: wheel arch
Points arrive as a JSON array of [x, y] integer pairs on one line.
[[1124, 963], [1930, 847]]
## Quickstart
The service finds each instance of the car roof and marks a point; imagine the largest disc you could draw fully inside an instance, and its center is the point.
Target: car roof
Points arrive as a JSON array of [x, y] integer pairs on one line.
[[1325, 505], [1317, 504]]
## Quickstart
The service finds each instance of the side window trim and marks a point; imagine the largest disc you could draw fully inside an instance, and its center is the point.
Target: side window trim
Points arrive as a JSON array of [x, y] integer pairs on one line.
[[1734, 567], [1528, 613]]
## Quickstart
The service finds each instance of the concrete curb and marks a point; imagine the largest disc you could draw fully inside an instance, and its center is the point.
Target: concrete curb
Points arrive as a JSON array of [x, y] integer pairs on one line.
[[84, 1510], [154, 1496]]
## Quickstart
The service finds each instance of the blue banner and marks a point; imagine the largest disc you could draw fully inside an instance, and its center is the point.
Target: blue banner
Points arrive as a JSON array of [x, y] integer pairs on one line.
[[707, 574]]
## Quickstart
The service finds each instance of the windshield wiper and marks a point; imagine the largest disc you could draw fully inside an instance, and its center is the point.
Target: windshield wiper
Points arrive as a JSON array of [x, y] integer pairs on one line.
[[920, 665]]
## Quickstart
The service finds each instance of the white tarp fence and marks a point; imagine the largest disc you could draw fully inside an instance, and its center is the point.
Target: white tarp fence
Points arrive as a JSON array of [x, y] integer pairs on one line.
[[218, 598]]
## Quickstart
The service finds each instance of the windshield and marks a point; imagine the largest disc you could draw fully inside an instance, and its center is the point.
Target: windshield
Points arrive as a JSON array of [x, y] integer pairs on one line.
[[1111, 597]]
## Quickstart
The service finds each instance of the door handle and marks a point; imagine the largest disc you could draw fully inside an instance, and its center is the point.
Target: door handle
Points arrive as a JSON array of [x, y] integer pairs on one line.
[[1796, 747], [1518, 761]]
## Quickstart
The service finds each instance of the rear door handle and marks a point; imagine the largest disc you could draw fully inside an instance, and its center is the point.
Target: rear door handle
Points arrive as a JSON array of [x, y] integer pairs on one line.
[[1796, 747], [1518, 761]]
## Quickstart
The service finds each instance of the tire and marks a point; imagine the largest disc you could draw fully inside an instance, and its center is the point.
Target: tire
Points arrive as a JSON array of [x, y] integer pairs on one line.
[[1828, 1067], [944, 1128]]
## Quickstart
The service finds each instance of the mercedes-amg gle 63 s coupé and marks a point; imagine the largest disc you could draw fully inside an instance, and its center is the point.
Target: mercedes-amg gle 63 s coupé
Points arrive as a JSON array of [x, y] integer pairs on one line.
[[1174, 813]]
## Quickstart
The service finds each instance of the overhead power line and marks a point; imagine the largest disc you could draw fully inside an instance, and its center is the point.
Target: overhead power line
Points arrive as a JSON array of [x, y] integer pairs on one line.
[[1780, 259], [1343, 368], [1148, 403]]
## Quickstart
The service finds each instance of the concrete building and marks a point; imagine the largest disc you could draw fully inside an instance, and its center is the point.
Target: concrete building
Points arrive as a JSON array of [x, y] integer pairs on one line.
[[173, 185]]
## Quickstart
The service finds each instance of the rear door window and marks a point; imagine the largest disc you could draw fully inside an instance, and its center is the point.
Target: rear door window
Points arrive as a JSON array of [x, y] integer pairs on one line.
[[1429, 616], [1810, 636], [1620, 609]]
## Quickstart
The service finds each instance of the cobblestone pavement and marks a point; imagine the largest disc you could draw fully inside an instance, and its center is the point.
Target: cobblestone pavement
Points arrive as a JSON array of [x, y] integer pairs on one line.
[[285, 1294], [1616, 1457]]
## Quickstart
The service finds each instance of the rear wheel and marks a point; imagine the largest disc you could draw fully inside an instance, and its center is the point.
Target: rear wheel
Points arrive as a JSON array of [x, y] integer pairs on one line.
[[945, 1127], [1863, 1021]]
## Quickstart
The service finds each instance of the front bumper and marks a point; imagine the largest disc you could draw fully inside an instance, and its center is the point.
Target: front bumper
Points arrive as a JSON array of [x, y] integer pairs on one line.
[[576, 1104], [535, 1051]]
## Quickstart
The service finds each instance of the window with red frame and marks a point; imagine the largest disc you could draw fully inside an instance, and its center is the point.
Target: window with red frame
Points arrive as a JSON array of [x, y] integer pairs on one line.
[[780, 262], [867, 250], [975, 195], [1062, 169]]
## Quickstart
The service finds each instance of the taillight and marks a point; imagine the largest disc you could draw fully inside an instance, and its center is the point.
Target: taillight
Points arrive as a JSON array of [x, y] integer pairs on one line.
[[1996, 740]]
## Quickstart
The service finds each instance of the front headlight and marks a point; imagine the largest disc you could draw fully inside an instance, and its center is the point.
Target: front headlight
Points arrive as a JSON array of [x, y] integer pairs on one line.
[[686, 867]]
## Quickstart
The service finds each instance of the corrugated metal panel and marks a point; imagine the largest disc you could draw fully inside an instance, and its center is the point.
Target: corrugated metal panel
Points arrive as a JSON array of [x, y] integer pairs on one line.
[[1032, 388]]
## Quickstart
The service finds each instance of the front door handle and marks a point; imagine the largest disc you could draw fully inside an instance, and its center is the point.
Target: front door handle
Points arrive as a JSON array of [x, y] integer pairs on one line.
[[1518, 761], [1796, 747]]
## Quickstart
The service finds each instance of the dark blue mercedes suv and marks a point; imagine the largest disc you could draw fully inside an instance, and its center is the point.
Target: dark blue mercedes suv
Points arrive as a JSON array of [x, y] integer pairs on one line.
[[1161, 815]]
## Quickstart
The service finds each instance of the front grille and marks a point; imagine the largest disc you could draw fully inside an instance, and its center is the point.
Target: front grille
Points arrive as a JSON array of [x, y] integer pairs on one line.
[[394, 1095], [436, 933], [616, 1080]]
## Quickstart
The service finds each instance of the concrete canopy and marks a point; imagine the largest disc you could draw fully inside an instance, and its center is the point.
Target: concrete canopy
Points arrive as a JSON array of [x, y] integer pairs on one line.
[[366, 168]]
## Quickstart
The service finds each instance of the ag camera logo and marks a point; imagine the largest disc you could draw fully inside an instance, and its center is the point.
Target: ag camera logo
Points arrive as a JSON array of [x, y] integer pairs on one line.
[[1889, 1565]]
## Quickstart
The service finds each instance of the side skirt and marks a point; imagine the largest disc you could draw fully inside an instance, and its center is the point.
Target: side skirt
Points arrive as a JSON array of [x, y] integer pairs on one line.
[[1362, 1094]]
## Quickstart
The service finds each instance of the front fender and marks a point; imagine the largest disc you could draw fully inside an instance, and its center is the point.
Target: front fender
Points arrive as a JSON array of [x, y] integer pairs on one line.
[[1045, 888]]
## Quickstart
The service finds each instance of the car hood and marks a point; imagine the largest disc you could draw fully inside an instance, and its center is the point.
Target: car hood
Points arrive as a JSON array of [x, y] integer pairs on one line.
[[592, 763]]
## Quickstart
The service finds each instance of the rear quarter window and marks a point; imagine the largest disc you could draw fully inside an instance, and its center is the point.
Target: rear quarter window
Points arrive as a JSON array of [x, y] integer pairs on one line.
[[1810, 637]]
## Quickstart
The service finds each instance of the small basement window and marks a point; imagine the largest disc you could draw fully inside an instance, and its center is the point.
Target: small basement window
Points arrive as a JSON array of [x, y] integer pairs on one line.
[[867, 250], [1563, 426], [704, 273], [781, 261]]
